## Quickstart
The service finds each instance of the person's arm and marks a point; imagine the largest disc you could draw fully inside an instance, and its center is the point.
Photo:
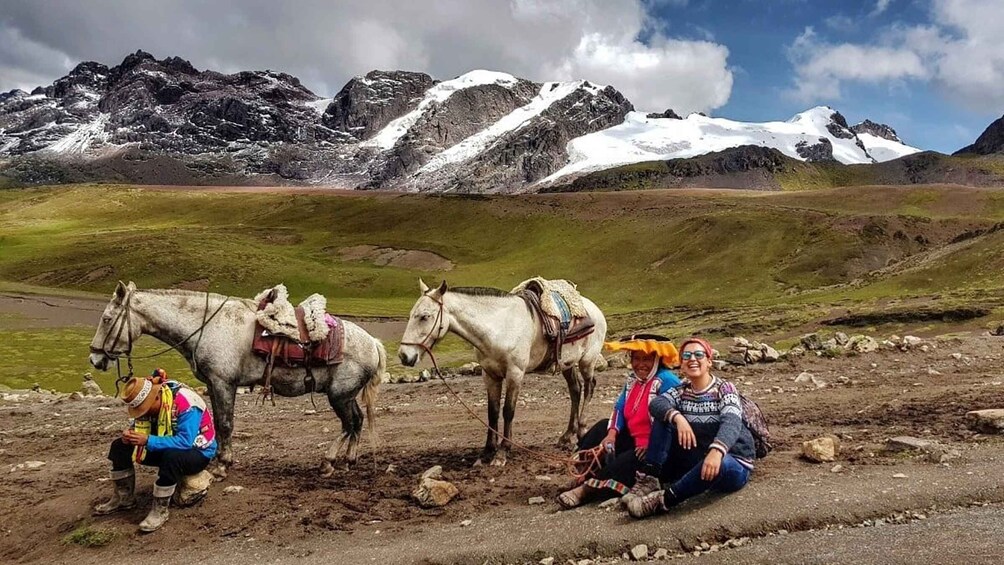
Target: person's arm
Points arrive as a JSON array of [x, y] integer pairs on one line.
[[731, 417], [617, 418], [184, 433], [666, 405]]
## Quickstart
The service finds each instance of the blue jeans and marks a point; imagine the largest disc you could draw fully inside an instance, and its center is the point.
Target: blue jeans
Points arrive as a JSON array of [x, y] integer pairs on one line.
[[680, 469]]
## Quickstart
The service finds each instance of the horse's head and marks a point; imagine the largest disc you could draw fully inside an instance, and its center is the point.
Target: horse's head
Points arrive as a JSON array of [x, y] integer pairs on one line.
[[117, 330], [428, 323]]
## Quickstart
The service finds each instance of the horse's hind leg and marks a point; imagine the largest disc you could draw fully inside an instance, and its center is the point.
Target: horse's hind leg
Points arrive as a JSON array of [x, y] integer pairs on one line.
[[568, 439], [352, 423]]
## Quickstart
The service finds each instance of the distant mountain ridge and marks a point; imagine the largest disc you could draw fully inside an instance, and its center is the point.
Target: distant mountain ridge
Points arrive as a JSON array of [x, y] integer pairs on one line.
[[164, 121]]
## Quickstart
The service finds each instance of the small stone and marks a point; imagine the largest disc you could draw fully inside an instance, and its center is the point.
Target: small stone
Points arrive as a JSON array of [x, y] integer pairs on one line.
[[863, 344], [705, 546], [837, 468], [811, 342], [782, 532], [76, 396], [753, 356], [639, 552], [899, 476], [820, 383], [933, 372], [830, 344], [535, 500], [841, 338], [742, 342], [309, 412], [466, 523], [924, 348], [821, 449], [911, 341], [907, 443], [804, 377], [957, 356], [546, 561], [543, 478], [843, 379], [601, 364], [433, 472], [201, 390], [719, 364], [661, 553], [770, 354], [233, 489]]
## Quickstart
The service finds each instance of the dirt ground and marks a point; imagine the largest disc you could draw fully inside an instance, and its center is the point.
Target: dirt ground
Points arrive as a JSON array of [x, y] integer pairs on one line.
[[287, 514]]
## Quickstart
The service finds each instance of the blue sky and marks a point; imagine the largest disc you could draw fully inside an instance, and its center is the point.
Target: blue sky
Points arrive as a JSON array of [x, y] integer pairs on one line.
[[760, 34], [932, 69]]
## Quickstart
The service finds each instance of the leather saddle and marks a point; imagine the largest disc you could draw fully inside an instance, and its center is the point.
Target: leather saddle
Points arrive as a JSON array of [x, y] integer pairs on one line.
[[300, 353], [558, 331]]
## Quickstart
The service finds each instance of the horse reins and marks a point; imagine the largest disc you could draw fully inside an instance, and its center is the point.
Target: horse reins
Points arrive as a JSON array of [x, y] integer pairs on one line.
[[124, 321], [591, 457]]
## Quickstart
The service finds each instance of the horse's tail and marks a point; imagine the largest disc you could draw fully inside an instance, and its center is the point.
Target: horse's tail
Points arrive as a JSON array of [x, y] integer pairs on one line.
[[372, 388]]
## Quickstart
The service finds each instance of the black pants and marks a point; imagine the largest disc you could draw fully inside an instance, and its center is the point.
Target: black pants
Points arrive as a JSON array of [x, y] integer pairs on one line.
[[173, 464], [617, 473]]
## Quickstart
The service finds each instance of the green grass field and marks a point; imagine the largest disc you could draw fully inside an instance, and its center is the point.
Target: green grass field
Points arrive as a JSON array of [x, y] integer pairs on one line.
[[645, 257]]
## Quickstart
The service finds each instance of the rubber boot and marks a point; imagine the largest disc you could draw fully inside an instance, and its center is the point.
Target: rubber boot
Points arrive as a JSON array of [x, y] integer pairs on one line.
[[124, 496], [159, 511]]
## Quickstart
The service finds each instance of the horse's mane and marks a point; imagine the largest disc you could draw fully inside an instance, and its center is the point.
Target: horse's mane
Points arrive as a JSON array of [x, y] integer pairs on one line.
[[480, 291], [182, 292]]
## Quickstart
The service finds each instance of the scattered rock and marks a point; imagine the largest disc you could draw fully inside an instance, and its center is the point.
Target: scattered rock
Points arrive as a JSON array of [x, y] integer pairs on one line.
[[601, 364], [742, 342], [639, 552], [432, 493], [911, 341], [796, 351], [933, 372], [661, 553], [862, 344], [843, 379], [472, 368], [907, 443], [719, 364], [76, 396], [233, 489], [770, 354], [542, 477], [466, 523], [886, 344], [434, 472], [391, 469], [830, 344], [804, 377], [753, 356], [618, 361], [837, 468], [821, 449], [986, 421], [841, 338], [820, 383], [957, 356], [89, 387], [202, 391], [535, 500], [811, 342], [900, 476], [999, 331], [546, 561], [28, 466]]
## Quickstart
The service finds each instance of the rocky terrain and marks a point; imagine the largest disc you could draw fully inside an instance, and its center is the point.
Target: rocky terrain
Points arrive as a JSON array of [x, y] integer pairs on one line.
[[165, 122]]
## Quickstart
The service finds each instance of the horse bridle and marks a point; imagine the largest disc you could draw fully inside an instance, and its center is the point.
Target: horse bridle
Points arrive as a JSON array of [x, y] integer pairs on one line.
[[126, 324], [433, 333]]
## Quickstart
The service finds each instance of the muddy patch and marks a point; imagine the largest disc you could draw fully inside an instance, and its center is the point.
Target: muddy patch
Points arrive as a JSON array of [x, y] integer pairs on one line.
[[390, 257], [864, 319]]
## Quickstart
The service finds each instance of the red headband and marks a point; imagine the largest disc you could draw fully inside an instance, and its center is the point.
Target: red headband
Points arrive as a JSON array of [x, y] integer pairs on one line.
[[710, 351]]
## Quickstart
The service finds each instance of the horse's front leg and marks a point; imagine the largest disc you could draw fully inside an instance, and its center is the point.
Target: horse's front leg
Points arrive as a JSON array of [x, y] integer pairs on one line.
[[493, 386], [222, 395], [568, 439], [351, 416], [514, 382], [588, 371]]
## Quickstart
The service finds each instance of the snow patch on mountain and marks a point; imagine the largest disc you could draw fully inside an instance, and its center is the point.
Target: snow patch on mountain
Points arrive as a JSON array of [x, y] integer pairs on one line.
[[469, 148], [395, 130], [320, 105], [82, 138]]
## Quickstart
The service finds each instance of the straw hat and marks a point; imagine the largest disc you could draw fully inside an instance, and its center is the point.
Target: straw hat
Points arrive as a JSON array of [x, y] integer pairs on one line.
[[648, 343], [140, 395]]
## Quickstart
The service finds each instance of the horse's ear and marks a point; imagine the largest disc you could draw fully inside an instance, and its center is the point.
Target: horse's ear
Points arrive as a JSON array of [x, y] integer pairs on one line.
[[422, 286], [121, 290], [442, 288]]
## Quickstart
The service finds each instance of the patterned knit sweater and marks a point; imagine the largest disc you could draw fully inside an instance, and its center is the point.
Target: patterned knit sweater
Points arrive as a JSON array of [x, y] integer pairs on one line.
[[715, 414]]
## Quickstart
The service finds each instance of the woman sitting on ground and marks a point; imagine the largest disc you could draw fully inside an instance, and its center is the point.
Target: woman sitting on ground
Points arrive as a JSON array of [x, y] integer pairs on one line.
[[698, 442], [620, 442]]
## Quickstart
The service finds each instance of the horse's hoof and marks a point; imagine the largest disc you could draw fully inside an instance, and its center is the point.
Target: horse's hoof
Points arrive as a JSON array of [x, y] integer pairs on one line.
[[567, 442], [478, 463], [327, 470], [498, 461]]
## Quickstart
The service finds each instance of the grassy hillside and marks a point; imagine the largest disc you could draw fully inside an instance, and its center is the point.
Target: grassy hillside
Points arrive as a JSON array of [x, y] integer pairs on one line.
[[717, 261]]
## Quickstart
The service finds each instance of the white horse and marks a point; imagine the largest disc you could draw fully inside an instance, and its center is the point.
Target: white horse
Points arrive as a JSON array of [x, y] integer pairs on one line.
[[214, 333], [510, 342]]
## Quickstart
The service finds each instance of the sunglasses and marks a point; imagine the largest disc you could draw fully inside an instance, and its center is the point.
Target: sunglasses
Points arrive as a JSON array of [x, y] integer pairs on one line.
[[688, 355]]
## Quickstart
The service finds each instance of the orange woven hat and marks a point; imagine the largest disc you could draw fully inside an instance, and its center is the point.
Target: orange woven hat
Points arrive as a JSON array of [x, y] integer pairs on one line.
[[648, 343], [139, 395]]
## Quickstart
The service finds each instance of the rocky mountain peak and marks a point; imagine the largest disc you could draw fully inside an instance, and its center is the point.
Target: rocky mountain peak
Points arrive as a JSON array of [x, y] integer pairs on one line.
[[668, 113], [876, 129], [989, 142], [368, 103]]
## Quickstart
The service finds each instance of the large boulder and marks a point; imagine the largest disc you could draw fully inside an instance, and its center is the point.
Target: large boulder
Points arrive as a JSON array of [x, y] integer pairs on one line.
[[434, 493], [811, 342], [862, 344], [986, 421], [193, 488]]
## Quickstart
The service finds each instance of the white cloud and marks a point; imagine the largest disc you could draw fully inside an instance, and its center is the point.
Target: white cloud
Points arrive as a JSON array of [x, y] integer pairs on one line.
[[880, 7], [326, 42], [960, 51]]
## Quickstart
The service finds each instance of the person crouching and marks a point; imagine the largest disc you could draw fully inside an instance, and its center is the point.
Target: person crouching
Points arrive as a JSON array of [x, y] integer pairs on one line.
[[172, 430]]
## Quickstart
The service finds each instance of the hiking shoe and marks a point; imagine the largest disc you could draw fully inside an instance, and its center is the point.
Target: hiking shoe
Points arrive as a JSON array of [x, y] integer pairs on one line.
[[647, 505], [643, 484]]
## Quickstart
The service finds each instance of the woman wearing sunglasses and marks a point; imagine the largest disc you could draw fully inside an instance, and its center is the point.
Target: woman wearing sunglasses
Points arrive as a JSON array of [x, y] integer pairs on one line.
[[619, 444], [698, 442]]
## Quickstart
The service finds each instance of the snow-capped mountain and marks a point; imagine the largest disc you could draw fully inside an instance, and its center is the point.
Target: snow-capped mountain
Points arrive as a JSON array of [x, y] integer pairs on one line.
[[819, 134], [483, 131]]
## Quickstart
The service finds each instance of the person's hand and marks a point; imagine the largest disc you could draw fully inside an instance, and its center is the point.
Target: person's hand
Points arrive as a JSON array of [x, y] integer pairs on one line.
[[640, 452], [712, 464], [134, 438], [684, 433], [610, 440]]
